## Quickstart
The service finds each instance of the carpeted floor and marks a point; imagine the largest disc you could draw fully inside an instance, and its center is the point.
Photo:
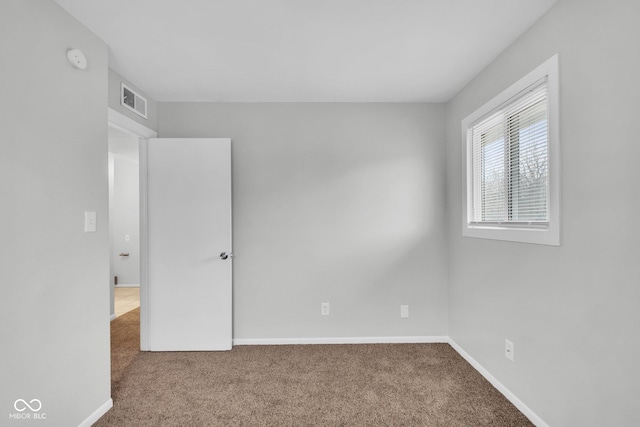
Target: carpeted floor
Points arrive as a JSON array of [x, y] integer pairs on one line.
[[304, 385], [125, 345]]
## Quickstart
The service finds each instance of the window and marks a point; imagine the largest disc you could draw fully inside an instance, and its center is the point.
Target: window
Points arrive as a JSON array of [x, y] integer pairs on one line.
[[512, 162]]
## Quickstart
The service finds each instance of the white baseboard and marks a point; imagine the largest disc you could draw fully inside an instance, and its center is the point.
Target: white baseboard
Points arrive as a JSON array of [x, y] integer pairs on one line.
[[127, 285], [535, 419], [113, 316], [341, 340], [97, 414]]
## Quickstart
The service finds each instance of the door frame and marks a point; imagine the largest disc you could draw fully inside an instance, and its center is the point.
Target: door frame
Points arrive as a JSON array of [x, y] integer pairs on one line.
[[124, 123]]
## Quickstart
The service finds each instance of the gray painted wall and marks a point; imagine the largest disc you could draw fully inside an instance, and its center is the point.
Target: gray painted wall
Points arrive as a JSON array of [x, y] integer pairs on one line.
[[115, 81], [573, 311], [338, 203], [125, 220], [53, 166]]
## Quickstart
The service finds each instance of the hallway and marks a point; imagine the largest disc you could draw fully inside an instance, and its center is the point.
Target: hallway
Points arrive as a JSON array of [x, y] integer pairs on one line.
[[125, 300]]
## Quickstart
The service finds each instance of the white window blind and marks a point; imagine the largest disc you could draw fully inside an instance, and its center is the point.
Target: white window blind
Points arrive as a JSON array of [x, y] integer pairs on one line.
[[509, 176]]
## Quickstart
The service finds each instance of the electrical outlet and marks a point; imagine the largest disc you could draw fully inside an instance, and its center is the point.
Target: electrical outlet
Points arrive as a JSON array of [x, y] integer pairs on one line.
[[404, 311], [324, 309], [508, 349]]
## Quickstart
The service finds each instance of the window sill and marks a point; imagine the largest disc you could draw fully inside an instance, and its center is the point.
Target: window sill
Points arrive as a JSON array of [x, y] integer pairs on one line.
[[541, 235]]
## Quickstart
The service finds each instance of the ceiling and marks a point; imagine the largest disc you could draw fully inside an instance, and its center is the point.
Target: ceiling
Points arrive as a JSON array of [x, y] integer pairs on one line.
[[304, 50]]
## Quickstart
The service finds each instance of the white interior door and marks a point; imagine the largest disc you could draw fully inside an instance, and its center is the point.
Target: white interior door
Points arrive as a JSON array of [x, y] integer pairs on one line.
[[188, 228]]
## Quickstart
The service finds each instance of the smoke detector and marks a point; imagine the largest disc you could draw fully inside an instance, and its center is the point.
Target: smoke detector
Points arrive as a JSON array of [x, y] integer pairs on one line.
[[77, 58]]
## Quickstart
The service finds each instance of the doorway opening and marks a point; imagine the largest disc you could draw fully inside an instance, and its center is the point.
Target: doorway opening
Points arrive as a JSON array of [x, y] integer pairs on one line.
[[125, 128], [124, 220]]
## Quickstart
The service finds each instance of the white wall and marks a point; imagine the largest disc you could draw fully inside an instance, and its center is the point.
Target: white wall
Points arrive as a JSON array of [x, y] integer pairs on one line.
[[54, 327], [573, 311], [339, 203]]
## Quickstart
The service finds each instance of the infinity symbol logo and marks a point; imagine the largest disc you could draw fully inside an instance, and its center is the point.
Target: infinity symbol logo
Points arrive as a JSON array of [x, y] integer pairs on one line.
[[21, 403]]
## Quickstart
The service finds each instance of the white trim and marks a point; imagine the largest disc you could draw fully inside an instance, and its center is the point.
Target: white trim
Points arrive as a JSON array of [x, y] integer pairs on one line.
[[127, 285], [545, 236], [231, 257], [144, 247], [124, 123], [342, 340], [535, 419], [113, 316], [95, 416]]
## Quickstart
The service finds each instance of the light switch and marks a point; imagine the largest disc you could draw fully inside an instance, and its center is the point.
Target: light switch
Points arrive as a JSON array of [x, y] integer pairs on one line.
[[90, 222], [126, 238]]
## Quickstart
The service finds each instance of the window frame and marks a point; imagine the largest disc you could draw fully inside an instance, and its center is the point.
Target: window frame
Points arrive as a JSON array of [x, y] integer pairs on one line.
[[545, 234]]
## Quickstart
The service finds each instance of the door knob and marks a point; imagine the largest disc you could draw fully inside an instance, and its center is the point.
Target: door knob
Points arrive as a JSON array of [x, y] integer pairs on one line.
[[225, 255]]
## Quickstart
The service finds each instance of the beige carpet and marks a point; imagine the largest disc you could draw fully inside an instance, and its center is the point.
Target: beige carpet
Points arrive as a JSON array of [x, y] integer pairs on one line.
[[319, 385], [125, 345]]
